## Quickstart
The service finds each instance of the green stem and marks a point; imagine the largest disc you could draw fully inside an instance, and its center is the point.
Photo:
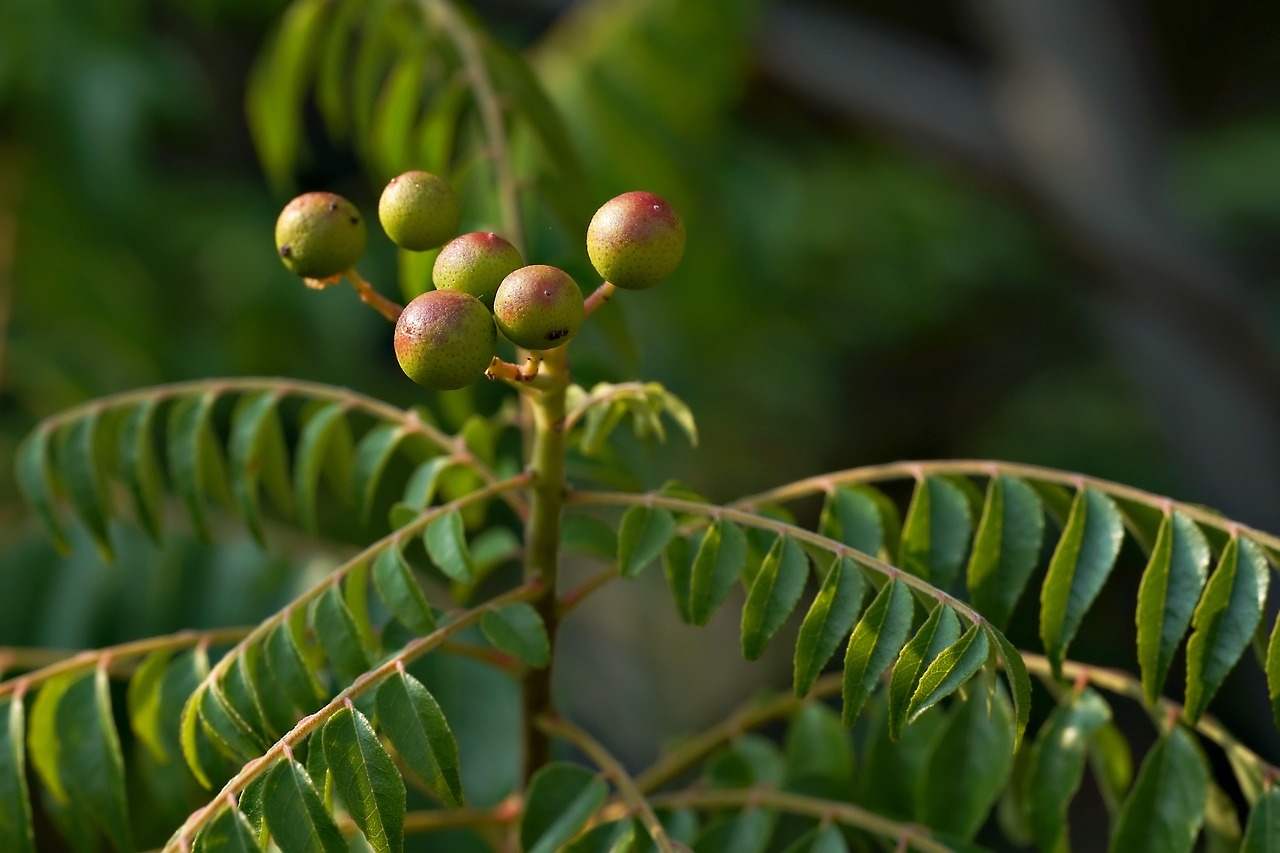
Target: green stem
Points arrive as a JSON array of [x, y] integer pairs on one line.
[[994, 468], [916, 837], [542, 538], [613, 769]]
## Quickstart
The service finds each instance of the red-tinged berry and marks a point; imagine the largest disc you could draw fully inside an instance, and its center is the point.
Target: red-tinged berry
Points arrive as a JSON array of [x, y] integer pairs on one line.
[[476, 263], [419, 211], [445, 339], [635, 240], [320, 235], [538, 307]]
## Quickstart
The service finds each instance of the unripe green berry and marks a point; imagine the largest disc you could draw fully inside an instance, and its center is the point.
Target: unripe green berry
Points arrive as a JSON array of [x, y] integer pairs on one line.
[[419, 211], [476, 263], [320, 235], [635, 240], [538, 307], [445, 340]]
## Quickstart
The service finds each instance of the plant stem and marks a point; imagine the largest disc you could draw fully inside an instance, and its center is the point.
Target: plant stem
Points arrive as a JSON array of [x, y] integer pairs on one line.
[[375, 300], [916, 837], [542, 537], [613, 769]]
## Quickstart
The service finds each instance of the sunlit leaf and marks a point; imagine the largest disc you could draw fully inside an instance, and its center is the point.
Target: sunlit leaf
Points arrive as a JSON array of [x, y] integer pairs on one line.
[[1005, 548], [295, 813], [1224, 621], [1170, 588], [416, 727], [874, 644], [1084, 558], [366, 779], [852, 516], [935, 534], [89, 759], [1019, 682], [938, 632], [949, 671], [774, 594], [831, 615]]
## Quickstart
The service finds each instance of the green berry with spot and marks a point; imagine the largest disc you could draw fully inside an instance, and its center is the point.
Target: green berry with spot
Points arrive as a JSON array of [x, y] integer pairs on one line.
[[476, 263], [445, 339], [635, 240], [538, 307], [419, 211], [320, 235]]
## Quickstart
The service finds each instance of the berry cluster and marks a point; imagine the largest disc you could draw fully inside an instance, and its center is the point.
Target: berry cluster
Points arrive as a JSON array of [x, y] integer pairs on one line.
[[447, 338]]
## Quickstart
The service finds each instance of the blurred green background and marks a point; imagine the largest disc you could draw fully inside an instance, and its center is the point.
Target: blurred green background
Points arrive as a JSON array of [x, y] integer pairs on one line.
[[1039, 230]]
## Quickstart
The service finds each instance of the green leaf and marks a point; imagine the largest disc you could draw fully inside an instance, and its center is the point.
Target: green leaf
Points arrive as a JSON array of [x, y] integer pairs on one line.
[[1224, 621], [643, 536], [421, 488], [296, 815], [1222, 832], [34, 475], [1273, 672], [366, 779], [290, 672], [852, 515], [1057, 762], [1262, 833], [747, 831], [951, 669], [140, 466], [143, 700], [968, 767], [562, 798], [517, 629], [229, 732], [1085, 555], [620, 836], [830, 616], [390, 137], [416, 727], [939, 631], [336, 628], [721, 556], [446, 541], [1170, 587], [1005, 548], [82, 470], [89, 759], [677, 565], [15, 798], [820, 839], [257, 454], [1164, 810], [818, 747], [229, 832], [889, 772], [275, 97], [935, 535], [43, 738], [874, 644], [372, 455], [399, 590], [774, 594], [262, 691], [325, 445], [1015, 672], [586, 534], [195, 458], [1112, 763]]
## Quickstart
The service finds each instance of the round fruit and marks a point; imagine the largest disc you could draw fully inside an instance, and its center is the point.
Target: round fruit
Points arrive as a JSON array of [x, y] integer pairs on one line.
[[538, 307], [419, 211], [476, 263], [635, 240], [320, 235], [445, 339]]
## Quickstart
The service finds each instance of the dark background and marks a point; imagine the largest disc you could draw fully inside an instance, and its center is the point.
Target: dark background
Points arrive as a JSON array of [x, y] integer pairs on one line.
[[1038, 230]]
